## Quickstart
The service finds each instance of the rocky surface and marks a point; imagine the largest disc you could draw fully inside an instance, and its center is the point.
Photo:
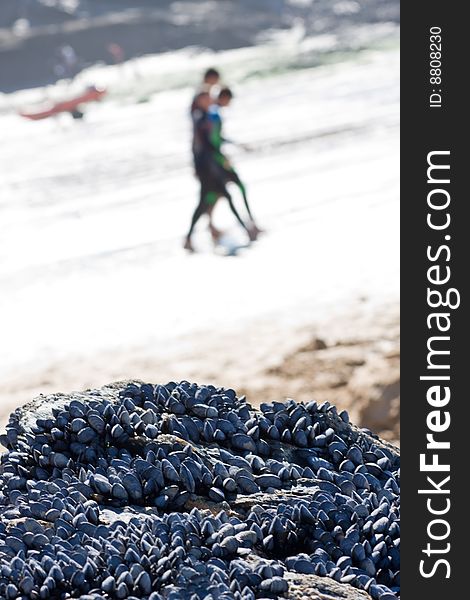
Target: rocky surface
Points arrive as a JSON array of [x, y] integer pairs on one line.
[[359, 365], [321, 588], [185, 491]]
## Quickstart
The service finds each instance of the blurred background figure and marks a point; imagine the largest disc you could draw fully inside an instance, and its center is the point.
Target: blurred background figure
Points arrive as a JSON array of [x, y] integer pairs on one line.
[[223, 169], [209, 84], [67, 63], [117, 53], [211, 79], [212, 167]]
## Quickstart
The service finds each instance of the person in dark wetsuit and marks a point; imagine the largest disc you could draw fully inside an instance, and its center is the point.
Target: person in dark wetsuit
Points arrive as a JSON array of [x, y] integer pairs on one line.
[[206, 157], [208, 84], [210, 81]]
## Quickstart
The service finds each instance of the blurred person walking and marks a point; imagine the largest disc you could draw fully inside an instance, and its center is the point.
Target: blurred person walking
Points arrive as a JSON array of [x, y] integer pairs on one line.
[[210, 82], [67, 62], [116, 52], [212, 168], [224, 169]]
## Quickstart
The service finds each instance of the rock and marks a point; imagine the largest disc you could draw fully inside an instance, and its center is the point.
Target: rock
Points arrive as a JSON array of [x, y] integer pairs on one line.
[[376, 386], [137, 508], [312, 587]]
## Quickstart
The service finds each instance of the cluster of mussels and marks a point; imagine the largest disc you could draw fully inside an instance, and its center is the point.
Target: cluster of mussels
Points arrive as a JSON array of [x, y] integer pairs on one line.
[[183, 491]]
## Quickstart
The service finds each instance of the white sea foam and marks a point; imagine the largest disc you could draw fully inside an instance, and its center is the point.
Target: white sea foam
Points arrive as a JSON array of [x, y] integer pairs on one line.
[[92, 213]]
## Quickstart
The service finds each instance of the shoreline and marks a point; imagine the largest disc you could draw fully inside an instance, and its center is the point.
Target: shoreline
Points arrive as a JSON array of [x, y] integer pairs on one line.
[[27, 54], [353, 368]]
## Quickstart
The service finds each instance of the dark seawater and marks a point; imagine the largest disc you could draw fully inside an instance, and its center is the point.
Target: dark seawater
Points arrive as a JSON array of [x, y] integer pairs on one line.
[[32, 30]]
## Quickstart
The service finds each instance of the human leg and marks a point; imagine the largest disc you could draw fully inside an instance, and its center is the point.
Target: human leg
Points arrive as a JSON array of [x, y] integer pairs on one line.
[[200, 209], [215, 232], [253, 229]]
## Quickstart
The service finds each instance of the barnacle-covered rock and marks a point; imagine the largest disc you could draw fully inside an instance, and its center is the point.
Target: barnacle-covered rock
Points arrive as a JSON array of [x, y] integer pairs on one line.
[[184, 491]]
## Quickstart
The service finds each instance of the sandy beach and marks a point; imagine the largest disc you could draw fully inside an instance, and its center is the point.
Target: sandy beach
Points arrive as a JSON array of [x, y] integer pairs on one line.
[[356, 369]]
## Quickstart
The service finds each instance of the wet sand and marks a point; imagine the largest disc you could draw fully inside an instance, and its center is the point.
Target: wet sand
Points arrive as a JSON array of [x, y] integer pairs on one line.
[[352, 362]]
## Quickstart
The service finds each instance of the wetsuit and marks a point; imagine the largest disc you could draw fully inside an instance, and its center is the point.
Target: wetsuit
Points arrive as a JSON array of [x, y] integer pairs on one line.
[[201, 146], [206, 162], [221, 168]]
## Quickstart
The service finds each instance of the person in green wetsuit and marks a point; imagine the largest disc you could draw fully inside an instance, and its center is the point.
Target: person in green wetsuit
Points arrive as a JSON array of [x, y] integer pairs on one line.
[[224, 170], [212, 167]]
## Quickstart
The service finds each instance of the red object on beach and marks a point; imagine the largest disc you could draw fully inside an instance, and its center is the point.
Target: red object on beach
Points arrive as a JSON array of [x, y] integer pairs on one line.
[[50, 109]]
